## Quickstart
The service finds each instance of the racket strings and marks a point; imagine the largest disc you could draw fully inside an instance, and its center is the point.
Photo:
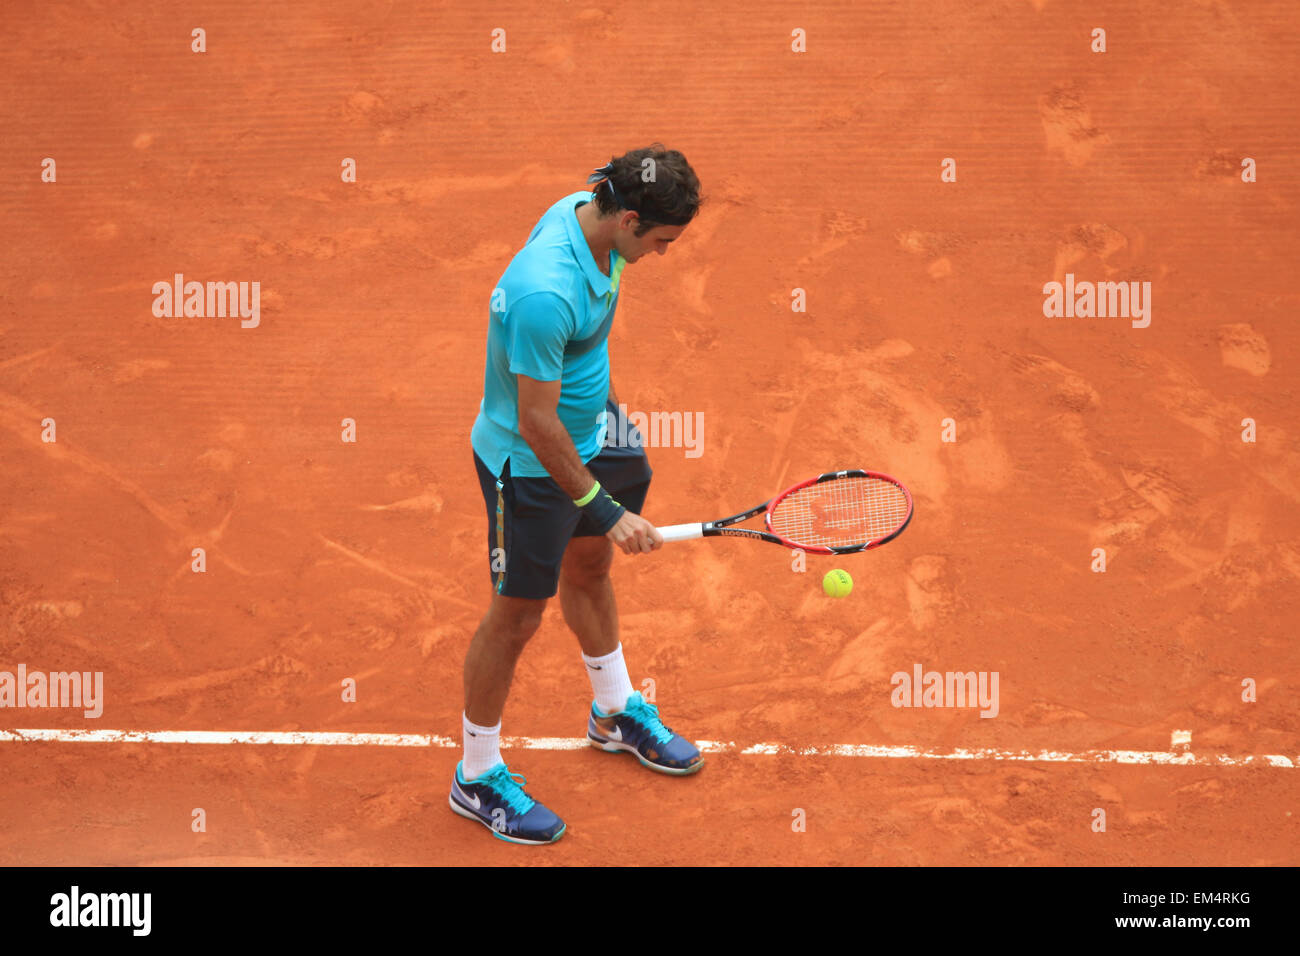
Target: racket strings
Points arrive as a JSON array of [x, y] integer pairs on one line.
[[841, 512]]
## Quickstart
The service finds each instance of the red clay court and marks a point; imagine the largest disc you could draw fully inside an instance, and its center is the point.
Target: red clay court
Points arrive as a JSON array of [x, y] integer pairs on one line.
[[329, 560]]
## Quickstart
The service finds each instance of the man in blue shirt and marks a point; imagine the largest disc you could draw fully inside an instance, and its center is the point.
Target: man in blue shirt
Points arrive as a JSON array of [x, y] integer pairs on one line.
[[558, 499]]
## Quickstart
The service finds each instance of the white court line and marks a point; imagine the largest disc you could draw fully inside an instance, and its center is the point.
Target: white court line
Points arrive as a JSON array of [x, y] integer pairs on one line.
[[305, 738]]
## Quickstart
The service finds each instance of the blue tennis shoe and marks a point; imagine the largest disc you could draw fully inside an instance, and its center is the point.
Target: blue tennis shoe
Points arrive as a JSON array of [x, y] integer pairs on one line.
[[638, 730], [497, 800]]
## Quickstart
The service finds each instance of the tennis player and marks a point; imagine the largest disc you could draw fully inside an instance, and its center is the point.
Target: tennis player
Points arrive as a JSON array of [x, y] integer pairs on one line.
[[560, 497]]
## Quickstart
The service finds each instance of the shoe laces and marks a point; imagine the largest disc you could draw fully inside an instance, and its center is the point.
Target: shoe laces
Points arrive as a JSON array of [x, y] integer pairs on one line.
[[509, 786], [647, 714]]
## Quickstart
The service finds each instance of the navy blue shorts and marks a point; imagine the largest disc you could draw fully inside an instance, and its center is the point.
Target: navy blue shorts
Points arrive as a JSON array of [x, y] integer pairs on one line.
[[530, 520]]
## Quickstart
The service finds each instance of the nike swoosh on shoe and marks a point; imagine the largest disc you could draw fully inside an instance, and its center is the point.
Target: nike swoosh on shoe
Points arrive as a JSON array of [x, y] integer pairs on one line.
[[473, 801]]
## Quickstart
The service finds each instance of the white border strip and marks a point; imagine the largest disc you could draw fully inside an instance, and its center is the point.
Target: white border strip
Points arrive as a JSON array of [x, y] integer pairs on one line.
[[303, 738]]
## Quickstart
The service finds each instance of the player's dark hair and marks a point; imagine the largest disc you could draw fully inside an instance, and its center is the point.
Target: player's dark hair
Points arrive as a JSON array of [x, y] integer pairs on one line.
[[663, 191]]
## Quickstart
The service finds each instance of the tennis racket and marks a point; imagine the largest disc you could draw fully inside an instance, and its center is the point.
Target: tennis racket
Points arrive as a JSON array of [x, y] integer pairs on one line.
[[839, 512]]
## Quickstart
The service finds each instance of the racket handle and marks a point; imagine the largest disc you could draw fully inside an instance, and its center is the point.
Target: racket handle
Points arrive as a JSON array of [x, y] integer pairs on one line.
[[681, 532]]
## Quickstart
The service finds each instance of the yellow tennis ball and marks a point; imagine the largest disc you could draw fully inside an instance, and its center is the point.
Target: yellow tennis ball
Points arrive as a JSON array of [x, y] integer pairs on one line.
[[837, 583]]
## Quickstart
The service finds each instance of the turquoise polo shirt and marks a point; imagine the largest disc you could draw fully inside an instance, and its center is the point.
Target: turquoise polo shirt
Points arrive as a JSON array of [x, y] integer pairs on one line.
[[549, 319]]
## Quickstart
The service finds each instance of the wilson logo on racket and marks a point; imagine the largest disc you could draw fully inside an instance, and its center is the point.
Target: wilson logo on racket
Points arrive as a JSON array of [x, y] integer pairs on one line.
[[838, 512]]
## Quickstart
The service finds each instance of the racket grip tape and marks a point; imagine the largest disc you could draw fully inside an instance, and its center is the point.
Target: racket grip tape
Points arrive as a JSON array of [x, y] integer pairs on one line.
[[681, 532]]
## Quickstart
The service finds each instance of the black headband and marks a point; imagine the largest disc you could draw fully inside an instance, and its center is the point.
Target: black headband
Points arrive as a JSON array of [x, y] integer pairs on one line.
[[603, 173]]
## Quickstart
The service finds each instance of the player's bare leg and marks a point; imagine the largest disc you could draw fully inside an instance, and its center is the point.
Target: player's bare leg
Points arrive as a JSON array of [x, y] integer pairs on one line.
[[484, 788], [490, 663], [620, 719], [587, 595]]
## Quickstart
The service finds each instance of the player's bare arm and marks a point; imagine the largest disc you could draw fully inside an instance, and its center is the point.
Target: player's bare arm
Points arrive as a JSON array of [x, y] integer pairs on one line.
[[540, 426]]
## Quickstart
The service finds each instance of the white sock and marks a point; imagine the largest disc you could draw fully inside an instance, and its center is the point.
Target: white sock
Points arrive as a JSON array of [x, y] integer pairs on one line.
[[482, 748], [609, 680]]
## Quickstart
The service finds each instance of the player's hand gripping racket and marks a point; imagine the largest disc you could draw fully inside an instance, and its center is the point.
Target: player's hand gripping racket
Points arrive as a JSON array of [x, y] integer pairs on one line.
[[836, 513]]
